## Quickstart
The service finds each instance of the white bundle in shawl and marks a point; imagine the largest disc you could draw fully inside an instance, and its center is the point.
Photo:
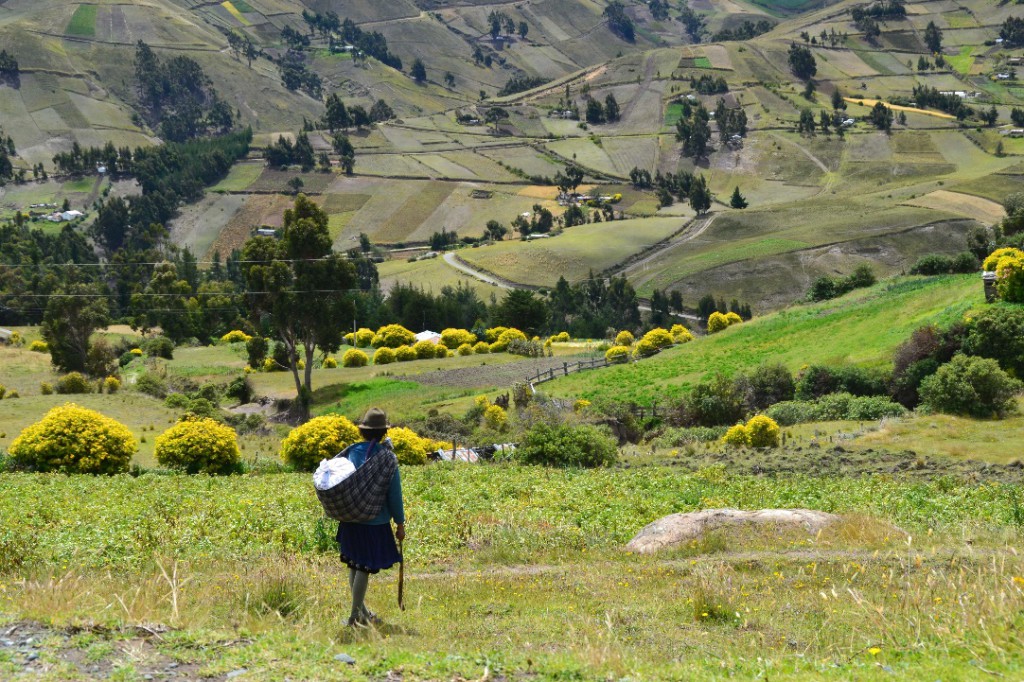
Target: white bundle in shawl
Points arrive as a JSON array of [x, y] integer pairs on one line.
[[331, 472]]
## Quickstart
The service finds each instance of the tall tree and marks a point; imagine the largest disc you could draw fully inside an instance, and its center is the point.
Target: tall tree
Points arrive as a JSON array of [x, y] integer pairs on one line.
[[71, 317], [933, 37], [418, 71], [611, 108], [737, 200], [300, 290], [700, 195]]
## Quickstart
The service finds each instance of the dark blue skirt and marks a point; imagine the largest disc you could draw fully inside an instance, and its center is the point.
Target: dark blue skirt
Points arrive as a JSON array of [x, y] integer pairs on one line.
[[368, 548]]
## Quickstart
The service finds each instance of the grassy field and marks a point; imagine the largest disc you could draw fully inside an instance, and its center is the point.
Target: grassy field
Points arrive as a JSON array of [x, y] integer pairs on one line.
[[863, 328], [83, 21], [515, 571], [573, 254]]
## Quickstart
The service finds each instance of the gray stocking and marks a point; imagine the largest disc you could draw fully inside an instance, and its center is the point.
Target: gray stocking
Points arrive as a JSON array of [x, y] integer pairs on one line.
[[358, 581]]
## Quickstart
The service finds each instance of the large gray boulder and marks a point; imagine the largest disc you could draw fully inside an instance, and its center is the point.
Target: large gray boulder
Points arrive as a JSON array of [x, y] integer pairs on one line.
[[678, 529]]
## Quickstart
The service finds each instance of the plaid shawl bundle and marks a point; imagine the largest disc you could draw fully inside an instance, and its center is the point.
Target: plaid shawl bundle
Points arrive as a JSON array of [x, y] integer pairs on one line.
[[360, 497]]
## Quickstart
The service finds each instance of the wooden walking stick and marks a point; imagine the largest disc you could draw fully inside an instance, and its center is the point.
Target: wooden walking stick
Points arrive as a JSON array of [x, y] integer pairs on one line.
[[401, 575]]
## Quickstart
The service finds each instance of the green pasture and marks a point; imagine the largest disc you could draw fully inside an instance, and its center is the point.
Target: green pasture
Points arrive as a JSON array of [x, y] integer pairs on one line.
[[83, 21], [963, 61], [240, 178], [432, 275], [863, 327]]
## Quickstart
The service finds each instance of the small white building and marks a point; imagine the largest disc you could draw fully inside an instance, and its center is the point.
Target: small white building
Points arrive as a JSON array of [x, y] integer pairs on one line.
[[428, 335], [6, 335]]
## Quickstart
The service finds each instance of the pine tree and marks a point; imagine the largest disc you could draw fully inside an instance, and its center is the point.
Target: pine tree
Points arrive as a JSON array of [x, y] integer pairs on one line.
[[737, 200]]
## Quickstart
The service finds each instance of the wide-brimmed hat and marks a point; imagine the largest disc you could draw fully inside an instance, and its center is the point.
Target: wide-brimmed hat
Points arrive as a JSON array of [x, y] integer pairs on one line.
[[375, 418]]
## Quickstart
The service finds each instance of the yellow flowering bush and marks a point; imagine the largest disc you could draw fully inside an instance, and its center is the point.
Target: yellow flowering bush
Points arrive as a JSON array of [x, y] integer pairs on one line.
[[111, 385], [330, 362], [680, 334], [992, 261], [465, 349], [393, 336], [363, 337], [39, 347], [354, 358], [73, 439], [492, 334], [733, 318], [658, 337], [384, 356], [645, 348], [235, 336], [349, 339], [443, 351], [1010, 278], [580, 405], [505, 338], [46, 388], [405, 354], [199, 445], [561, 337], [410, 447], [717, 322], [319, 438], [737, 436], [624, 338], [482, 347], [425, 350], [617, 354], [763, 432], [73, 383], [495, 418], [137, 352], [453, 338]]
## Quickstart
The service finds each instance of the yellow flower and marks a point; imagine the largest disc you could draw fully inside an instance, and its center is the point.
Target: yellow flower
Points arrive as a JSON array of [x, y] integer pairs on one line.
[[874, 651]]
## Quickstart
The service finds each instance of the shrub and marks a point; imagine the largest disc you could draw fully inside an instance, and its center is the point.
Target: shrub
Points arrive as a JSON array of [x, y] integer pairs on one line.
[[405, 354], [832, 407], [73, 383], [674, 438], [529, 349], [1010, 279], [46, 388], [235, 336], [72, 439], [364, 337], [998, 333], [932, 264], [617, 354], [3, 391], [733, 318], [567, 445], [495, 418], [349, 339], [393, 336], [240, 389], [873, 408], [624, 338], [101, 360], [39, 347], [506, 337], [465, 349], [151, 384], [441, 351], [970, 386], [318, 439], [159, 347], [561, 337], [425, 350], [111, 385], [763, 432], [715, 403], [717, 322], [790, 412], [737, 436], [137, 352], [199, 446], [992, 261], [176, 401], [330, 363], [819, 380], [644, 349], [256, 351], [410, 448], [453, 338], [681, 334], [766, 385], [354, 358], [492, 334], [384, 356], [481, 347], [659, 338], [13, 394]]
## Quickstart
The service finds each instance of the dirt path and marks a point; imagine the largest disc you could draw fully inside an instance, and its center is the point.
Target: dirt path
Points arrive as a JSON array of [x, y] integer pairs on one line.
[[693, 229], [897, 107], [462, 266]]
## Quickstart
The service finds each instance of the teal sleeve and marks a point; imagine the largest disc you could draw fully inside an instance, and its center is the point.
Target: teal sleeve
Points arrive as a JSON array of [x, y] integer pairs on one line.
[[395, 498]]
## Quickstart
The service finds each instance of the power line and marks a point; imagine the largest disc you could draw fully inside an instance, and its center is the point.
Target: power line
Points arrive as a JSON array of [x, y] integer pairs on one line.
[[200, 293], [164, 262]]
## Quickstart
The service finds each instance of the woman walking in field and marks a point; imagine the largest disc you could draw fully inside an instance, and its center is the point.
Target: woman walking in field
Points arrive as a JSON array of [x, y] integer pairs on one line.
[[369, 547]]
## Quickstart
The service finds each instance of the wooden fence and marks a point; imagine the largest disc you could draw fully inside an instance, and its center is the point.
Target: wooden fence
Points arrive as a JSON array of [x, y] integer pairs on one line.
[[565, 370]]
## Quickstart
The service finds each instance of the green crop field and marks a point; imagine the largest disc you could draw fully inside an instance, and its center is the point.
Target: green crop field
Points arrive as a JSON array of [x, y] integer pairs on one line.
[[83, 21]]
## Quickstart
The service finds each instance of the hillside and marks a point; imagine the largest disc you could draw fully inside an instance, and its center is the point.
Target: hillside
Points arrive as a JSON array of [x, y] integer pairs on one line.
[[820, 203], [863, 327]]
